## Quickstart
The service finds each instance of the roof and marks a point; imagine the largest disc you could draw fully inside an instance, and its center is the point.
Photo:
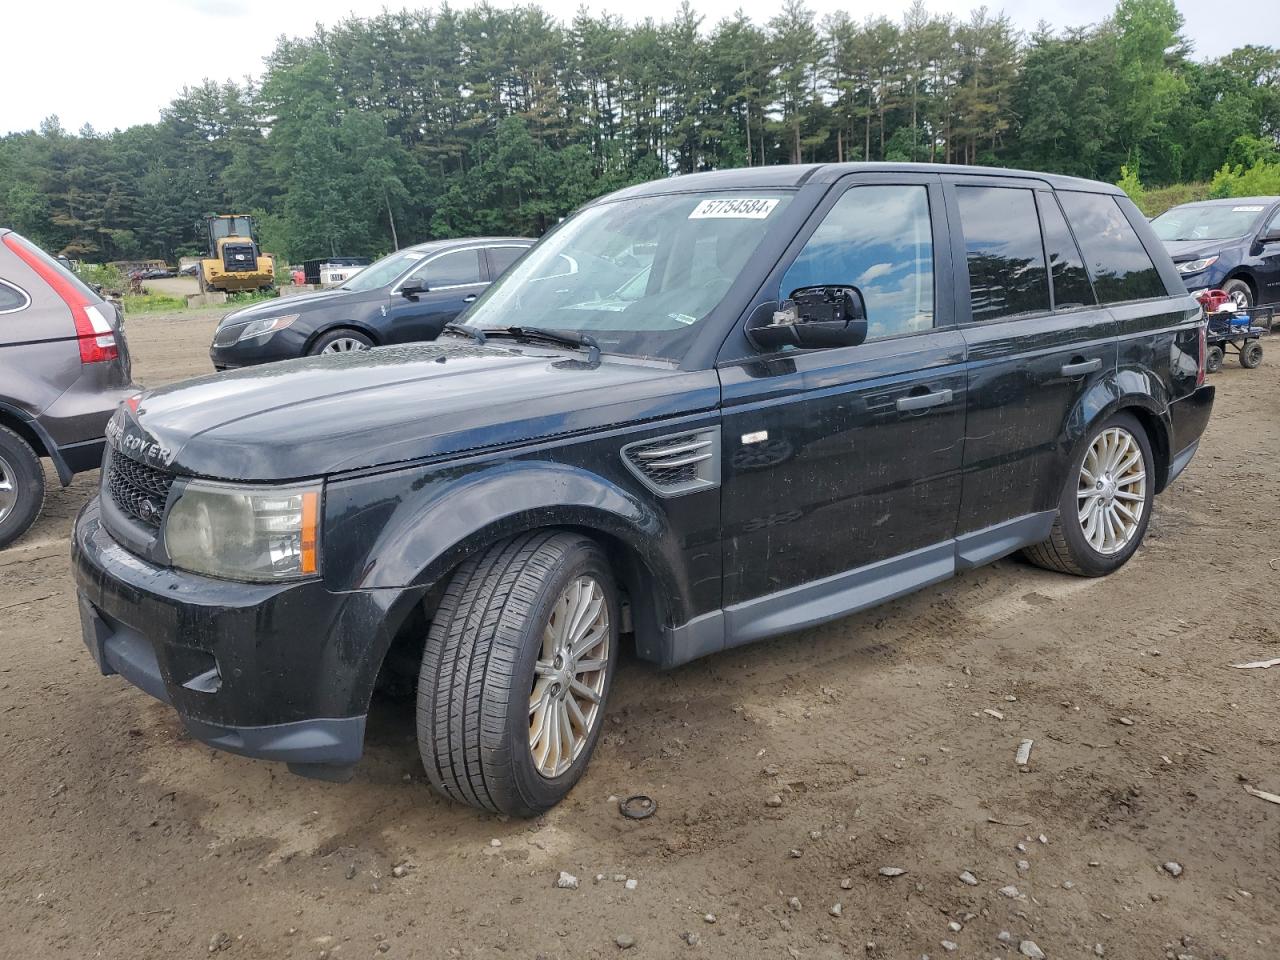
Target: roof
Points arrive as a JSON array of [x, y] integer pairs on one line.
[[791, 176], [1230, 201], [430, 245]]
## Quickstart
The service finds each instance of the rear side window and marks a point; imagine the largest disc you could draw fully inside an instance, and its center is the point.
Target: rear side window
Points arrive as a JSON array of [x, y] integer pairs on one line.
[[502, 257], [11, 298], [1002, 244], [1116, 258], [1071, 287]]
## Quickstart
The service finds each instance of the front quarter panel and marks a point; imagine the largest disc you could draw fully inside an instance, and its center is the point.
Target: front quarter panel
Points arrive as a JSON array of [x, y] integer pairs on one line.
[[411, 527]]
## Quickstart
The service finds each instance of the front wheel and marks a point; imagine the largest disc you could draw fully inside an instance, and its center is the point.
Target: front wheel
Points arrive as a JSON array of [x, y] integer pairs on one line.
[[516, 671], [340, 341], [1106, 503], [1241, 294]]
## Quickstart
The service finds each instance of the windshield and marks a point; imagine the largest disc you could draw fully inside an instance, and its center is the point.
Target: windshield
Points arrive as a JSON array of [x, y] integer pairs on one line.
[[385, 271], [637, 275], [1216, 222]]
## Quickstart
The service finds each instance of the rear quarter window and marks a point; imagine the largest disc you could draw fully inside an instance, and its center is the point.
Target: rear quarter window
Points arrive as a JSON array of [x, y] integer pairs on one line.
[[12, 298], [1118, 262]]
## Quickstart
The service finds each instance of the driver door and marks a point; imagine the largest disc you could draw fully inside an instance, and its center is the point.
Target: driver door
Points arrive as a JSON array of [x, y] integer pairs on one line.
[[841, 466], [453, 280]]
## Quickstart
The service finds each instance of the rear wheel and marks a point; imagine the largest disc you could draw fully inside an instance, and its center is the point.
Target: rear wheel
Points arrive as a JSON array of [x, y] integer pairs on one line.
[[341, 341], [1106, 503], [1251, 354], [21, 486], [1213, 359], [516, 671], [1240, 292]]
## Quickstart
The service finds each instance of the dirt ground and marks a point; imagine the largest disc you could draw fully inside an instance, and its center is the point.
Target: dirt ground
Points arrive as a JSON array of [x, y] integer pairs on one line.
[[123, 838]]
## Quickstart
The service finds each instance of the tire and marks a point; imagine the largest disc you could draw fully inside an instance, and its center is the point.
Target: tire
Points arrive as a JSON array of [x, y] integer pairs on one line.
[[21, 486], [1240, 292], [1213, 359], [1251, 354], [341, 340], [480, 669], [1068, 549]]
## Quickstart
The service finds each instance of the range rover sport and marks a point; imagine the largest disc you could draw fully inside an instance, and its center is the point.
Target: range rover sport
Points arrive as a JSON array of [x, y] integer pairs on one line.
[[765, 399]]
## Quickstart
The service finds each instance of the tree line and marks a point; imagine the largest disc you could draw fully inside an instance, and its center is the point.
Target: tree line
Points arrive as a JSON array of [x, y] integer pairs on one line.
[[439, 122]]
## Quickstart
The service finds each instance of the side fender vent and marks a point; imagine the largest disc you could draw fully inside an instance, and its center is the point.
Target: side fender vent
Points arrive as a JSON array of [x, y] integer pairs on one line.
[[676, 464]]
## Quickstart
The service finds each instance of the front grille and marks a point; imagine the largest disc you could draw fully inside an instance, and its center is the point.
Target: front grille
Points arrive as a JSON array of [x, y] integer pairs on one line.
[[677, 464], [137, 489], [239, 258]]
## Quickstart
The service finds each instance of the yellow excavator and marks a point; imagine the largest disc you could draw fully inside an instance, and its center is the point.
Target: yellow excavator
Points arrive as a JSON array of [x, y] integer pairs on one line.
[[234, 261]]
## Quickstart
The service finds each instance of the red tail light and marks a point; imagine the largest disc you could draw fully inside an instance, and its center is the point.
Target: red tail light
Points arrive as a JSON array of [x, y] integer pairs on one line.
[[1204, 354], [94, 332]]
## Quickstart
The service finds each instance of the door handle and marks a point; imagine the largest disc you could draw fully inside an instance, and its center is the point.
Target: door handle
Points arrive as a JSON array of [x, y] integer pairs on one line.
[[469, 298], [1080, 368], [922, 401]]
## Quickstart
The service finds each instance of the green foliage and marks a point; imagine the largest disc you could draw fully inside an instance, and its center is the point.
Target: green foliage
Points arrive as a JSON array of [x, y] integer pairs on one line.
[[243, 298], [152, 303], [103, 275], [411, 125], [1262, 179], [1157, 201]]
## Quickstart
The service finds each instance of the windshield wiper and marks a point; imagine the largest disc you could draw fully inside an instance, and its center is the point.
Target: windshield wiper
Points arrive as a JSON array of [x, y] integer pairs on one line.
[[566, 338], [465, 330]]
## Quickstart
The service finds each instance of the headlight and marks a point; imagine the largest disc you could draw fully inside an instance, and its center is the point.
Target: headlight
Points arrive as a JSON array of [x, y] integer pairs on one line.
[[234, 333], [1195, 266], [257, 533]]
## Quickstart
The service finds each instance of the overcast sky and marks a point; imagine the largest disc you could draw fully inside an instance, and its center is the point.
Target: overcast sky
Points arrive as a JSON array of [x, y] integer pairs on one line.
[[114, 64]]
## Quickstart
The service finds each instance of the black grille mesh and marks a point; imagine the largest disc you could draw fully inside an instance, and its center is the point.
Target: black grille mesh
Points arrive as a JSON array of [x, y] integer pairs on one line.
[[239, 258], [664, 476], [137, 489]]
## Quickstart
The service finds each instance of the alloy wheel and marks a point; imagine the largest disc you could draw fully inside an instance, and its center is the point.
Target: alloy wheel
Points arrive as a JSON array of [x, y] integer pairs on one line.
[[344, 345], [569, 676], [1112, 491], [1240, 298], [8, 489]]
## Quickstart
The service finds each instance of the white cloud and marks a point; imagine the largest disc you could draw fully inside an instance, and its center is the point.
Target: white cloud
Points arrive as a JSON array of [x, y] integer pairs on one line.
[[114, 64]]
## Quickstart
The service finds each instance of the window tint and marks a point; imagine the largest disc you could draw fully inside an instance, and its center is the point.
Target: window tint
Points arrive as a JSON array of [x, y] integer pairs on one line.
[[878, 239], [1071, 286], [1003, 249], [1274, 223], [502, 257], [451, 269], [1115, 256], [11, 298]]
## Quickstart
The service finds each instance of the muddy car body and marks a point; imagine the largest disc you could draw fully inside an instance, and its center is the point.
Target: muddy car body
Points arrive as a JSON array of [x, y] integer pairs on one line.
[[785, 394]]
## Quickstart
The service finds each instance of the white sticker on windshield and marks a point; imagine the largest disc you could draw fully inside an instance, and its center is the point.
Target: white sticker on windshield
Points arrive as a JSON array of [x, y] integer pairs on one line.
[[741, 208], [1246, 209]]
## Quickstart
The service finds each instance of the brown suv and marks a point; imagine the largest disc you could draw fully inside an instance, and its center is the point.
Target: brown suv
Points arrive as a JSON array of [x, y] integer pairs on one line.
[[64, 368]]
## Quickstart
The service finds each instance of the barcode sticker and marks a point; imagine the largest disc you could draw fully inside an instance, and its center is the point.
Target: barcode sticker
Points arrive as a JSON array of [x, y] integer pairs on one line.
[[740, 208]]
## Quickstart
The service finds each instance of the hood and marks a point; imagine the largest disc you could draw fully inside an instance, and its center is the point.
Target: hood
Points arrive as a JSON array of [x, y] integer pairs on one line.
[[301, 303], [1194, 249], [326, 414]]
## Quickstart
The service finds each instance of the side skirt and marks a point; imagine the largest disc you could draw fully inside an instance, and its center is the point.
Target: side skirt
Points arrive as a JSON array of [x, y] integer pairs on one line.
[[845, 593]]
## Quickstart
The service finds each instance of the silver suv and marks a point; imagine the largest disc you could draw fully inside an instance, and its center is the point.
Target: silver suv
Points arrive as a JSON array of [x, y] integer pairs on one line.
[[64, 368]]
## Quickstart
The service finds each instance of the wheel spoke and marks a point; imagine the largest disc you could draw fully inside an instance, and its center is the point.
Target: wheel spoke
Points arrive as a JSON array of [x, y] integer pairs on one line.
[[566, 732], [589, 666], [1128, 514], [1129, 495], [578, 717], [583, 690]]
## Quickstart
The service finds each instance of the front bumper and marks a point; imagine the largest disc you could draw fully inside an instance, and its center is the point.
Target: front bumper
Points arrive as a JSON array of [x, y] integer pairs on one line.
[[275, 671]]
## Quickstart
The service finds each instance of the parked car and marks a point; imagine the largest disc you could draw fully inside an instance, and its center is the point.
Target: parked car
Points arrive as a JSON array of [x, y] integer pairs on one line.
[[64, 368], [407, 296], [766, 398], [1233, 245]]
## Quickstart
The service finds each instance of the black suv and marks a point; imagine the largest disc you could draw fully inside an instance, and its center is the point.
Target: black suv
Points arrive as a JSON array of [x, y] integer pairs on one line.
[[406, 296], [766, 398]]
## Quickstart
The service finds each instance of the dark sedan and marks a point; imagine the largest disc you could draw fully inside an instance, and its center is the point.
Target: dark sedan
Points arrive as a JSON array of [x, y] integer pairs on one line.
[[407, 296]]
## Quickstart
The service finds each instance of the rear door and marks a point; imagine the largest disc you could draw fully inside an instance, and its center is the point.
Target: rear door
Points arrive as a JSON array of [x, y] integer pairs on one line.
[[1035, 346], [836, 459]]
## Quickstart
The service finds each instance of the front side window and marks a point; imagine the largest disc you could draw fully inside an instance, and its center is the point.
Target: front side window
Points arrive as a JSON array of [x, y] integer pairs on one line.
[[638, 275], [385, 271], [456, 269], [1116, 258], [880, 240], [1007, 276]]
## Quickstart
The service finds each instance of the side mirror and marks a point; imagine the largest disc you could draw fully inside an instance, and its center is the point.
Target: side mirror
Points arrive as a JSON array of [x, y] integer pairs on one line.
[[813, 317], [412, 289]]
